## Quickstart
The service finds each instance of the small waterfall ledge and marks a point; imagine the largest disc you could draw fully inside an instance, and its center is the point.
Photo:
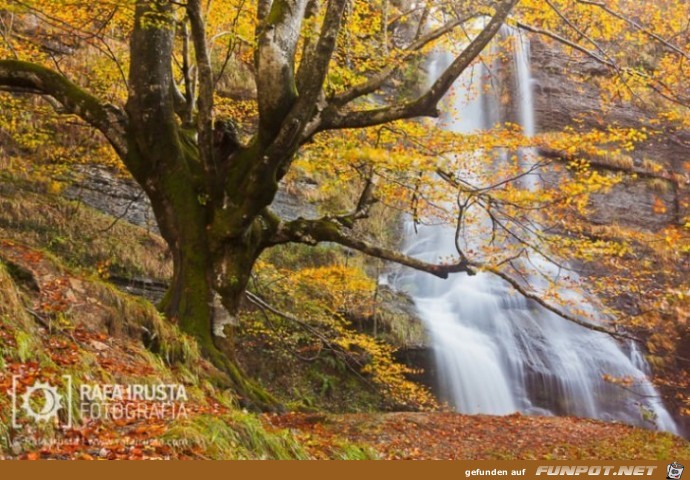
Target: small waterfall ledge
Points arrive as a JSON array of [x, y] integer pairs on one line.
[[496, 352]]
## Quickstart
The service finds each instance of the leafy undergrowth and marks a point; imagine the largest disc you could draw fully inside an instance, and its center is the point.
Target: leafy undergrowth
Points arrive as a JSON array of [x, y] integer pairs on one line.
[[319, 360], [451, 436], [80, 236], [54, 324]]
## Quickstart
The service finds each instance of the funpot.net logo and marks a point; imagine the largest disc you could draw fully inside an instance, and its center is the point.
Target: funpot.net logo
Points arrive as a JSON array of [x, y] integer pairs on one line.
[[43, 401], [674, 471]]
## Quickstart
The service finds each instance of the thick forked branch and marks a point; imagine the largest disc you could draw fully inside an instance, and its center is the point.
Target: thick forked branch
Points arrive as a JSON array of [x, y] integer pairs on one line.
[[311, 15], [329, 230], [206, 86], [150, 106], [185, 104], [278, 36], [426, 104], [312, 75], [314, 67], [29, 77]]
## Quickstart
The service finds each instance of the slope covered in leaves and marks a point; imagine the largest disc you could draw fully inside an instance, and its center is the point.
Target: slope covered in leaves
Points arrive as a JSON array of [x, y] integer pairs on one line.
[[451, 436], [37, 344], [299, 359]]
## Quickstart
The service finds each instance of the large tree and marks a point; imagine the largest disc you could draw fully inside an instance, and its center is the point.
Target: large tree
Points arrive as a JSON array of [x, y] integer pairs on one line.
[[212, 197]]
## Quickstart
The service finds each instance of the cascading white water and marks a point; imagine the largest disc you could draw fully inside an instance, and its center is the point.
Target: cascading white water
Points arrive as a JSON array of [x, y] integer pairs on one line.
[[498, 353]]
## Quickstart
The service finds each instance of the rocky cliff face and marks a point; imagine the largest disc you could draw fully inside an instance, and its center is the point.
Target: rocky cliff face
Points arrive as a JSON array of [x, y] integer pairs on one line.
[[118, 195], [566, 94], [113, 193]]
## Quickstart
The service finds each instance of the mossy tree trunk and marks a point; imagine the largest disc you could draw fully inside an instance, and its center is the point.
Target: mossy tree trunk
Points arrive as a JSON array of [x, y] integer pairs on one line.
[[212, 242]]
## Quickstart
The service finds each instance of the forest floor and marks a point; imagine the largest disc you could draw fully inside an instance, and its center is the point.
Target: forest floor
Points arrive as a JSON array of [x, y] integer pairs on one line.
[[452, 436]]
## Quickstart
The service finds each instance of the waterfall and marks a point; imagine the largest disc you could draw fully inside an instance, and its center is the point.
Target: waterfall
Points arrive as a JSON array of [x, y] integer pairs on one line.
[[497, 352]]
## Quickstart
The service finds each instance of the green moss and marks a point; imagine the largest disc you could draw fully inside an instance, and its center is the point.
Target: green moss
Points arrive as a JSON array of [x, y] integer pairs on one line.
[[76, 99], [252, 394], [349, 451], [278, 12], [11, 306], [25, 346], [290, 255], [238, 436], [80, 236]]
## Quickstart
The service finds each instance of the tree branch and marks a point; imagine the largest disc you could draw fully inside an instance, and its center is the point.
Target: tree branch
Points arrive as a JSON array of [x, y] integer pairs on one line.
[[312, 74], [655, 84], [262, 9], [188, 101], [568, 43], [278, 36], [206, 88], [637, 26], [377, 80], [580, 32], [311, 14], [674, 178], [326, 229], [29, 77], [313, 70], [525, 292], [426, 104]]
